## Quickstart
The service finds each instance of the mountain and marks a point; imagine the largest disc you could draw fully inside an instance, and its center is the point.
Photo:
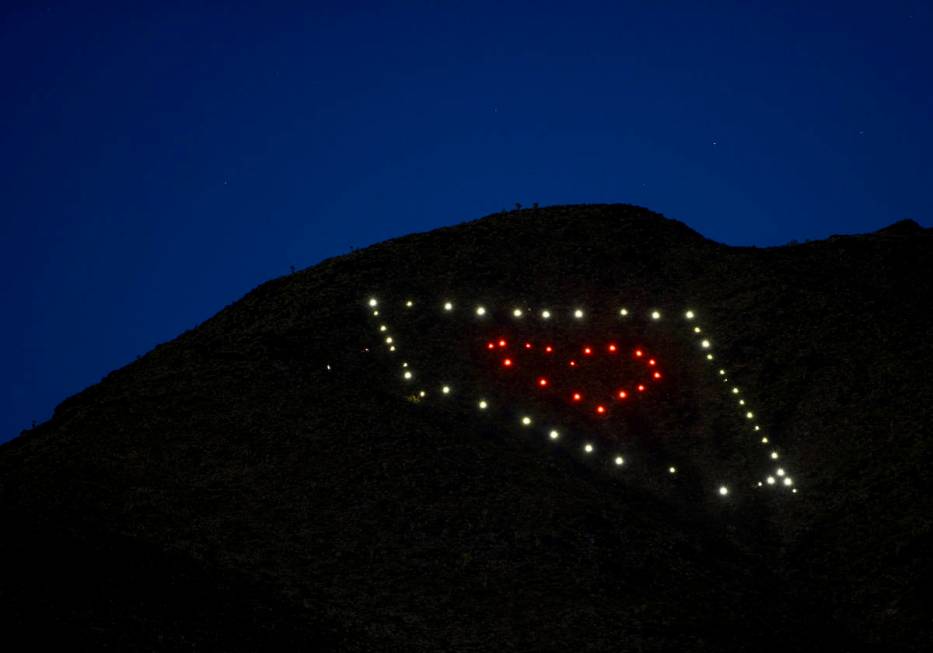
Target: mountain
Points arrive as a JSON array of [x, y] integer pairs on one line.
[[271, 480]]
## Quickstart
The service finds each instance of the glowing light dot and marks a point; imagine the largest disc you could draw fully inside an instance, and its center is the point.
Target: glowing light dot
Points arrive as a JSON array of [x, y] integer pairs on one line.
[[407, 375], [735, 391], [392, 348], [448, 306], [502, 343], [528, 345], [689, 315], [375, 313], [542, 382], [526, 421], [722, 372], [723, 490], [389, 340], [483, 405], [577, 396], [788, 481], [697, 330], [491, 345], [549, 349], [481, 310], [709, 357], [409, 303], [641, 388], [601, 410], [757, 428], [655, 315], [546, 315], [657, 375], [741, 402], [619, 460], [779, 471], [639, 353], [774, 455], [764, 440], [770, 480], [578, 314], [587, 351], [554, 435], [750, 415], [373, 302], [672, 470], [383, 327], [705, 344], [507, 362], [652, 362], [588, 448], [623, 312], [612, 347], [422, 393], [517, 312], [446, 389], [622, 394]]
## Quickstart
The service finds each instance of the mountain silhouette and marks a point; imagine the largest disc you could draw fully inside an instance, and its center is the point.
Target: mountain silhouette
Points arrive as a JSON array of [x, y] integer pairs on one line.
[[271, 480]]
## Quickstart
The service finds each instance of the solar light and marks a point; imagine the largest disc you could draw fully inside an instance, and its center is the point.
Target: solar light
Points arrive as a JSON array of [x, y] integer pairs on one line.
[[689, 315], [446, 389], [655, 315], [481, 310], [526, 421], [578, 314], [619, 460], [392, 348], [723, 490], [373, 302], [448, 306], [376, 313], [554, 435], [483, 405], [588, 448], [722, 372]]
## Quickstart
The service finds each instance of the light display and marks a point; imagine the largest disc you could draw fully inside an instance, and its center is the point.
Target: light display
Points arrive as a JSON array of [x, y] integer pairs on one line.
[[529, 355]]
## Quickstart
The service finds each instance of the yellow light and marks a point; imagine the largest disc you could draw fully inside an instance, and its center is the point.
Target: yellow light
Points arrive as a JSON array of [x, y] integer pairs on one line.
[[588, 448], [794, 490], [448, 306], [404, 364], [770, 480], [709, 357], [774, 455], [735, 391], [389, 340], [788, 481], [375, 312], [759, 484], [407, 374], [373, 303], [757, 428], [482, 404], [689, 315], [383, 328], [392, 348], [422, 393], [546, 314], [697, 330], [750, 415], [409, 303], [517, 312], [578, 314], [722, 372], [764, 440], [672, 470], [655, 315], [780, 471], [481, 311], [526, 421], [619, 460], [741, 402], [623, 312], [705, 344], [554, 435], [723, 490], [446, 389]]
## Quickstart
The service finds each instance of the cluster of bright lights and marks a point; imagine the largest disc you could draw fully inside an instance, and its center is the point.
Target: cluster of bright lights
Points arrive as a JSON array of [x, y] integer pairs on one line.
[[779, 476]]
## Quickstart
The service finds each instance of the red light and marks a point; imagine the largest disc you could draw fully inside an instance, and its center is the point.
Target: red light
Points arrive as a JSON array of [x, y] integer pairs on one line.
[[502, 343], [573, 363], [622, 394], [641, 388], [549, 349], [542, 382], [657, 375], [577, 396], [651, 362], [527, 345], [601, 410], [491, 345], [507, 362], [639, 353], [587, 351], [612, 347]]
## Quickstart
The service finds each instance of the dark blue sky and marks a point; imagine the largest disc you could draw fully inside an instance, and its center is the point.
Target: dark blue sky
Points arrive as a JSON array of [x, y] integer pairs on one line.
[[158, 163]]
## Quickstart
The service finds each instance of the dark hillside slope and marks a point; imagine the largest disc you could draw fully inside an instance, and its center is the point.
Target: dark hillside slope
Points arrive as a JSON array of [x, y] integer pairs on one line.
[[264, 481]]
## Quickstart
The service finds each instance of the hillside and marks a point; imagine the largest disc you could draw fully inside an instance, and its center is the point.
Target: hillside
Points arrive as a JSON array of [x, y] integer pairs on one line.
[[271, 479]]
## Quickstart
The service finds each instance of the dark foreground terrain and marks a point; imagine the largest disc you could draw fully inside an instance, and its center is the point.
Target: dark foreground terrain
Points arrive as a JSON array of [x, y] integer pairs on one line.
[[267, 481]]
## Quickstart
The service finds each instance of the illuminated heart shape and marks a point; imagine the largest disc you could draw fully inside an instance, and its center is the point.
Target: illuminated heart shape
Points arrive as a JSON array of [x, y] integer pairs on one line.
[[596, 378]]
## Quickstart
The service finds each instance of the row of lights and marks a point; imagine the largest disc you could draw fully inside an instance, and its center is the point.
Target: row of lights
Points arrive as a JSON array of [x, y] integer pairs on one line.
[[578, 313]]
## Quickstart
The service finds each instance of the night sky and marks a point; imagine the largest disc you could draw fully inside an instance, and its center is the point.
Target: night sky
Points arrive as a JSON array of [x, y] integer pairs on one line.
[[156, 164]]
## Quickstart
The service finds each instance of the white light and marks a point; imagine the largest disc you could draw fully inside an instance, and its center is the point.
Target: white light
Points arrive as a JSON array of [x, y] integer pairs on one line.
[[655, 315], [672, 470], [578, 314], [757, 428], [482, 404], [759, 484], [741, 402], [723, 490], [619, 460], [774, 455], [422, 393], [546, 314], [788, 482], [448, 306], [722, 372], [689, 315], [328, 367], [588, 448], [623, 312], [392, 348], [794, 490], [407, 374], [526, 421], [764, 440], [409, 303], [735, 391], [554, 435], [373, 303], [705, 344], [389, 340], [404, 364], [770, 480], [375, 312], [480, 310], [750, 415], [697, 330], [517, 312], [383, 328], [779, 471], [709, 357], [446, 389]]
